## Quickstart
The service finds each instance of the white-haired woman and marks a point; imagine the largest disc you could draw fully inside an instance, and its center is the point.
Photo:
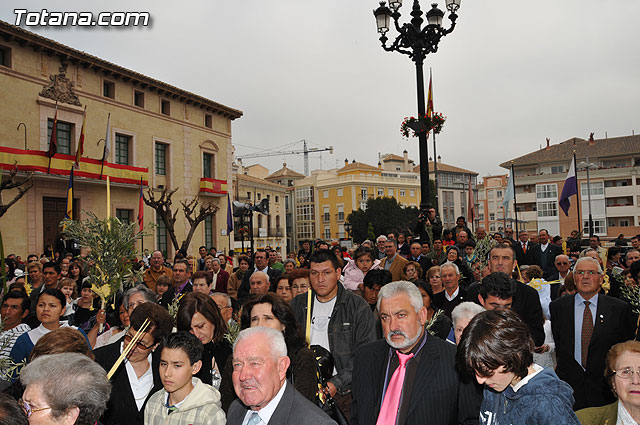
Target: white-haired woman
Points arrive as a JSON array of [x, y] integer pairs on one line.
[[462, 315], [53, 395]]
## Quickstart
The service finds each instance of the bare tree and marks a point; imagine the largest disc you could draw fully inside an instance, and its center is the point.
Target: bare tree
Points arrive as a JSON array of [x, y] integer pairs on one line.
[[23, 184], [193, 214]]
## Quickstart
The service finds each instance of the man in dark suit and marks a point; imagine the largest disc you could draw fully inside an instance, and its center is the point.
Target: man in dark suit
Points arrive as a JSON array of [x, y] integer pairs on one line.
[[591, 322], [525, 300], [409, 377], [416, 255], [260, 366], [545, 253], [522, 247], [260, 263], [181, 283]]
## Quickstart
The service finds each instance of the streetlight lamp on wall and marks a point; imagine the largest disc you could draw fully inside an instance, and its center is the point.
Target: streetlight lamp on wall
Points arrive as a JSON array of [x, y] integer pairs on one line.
[[416, 41]]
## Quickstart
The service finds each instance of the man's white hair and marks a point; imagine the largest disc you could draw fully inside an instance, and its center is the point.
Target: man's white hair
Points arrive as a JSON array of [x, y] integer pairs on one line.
[[450, 264], [466, 310], [586, 259], [381, 238], [401, 287], [277, 345]]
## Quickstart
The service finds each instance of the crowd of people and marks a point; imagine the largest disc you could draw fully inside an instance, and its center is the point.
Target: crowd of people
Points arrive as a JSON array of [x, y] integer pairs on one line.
[[445, 326]]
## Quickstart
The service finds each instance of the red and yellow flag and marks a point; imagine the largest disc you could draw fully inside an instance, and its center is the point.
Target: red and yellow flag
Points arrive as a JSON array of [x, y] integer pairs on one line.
[[430, 98]]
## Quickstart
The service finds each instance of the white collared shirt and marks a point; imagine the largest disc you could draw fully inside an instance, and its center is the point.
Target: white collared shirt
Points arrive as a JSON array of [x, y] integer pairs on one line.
[[452, 296], [140, 387], [267, 411], [544, 247]]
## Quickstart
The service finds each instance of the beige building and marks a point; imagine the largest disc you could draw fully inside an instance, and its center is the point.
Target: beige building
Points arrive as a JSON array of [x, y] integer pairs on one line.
[[167, 136], [615, 186], [323, 201], [268, 230], [491, 213]]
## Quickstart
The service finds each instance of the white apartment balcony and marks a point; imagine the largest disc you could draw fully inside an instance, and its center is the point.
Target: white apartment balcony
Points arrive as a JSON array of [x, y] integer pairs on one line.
[[622, 210], [619, 191]]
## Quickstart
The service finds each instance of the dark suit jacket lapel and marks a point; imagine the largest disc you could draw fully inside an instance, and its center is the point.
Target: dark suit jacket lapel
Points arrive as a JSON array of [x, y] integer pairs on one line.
[[429, 359], [283, 411], [378, 369], [602, 313], [571, 323]]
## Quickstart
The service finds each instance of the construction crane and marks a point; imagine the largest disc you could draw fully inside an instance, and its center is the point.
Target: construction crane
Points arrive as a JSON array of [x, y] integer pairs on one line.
[[306, 151]]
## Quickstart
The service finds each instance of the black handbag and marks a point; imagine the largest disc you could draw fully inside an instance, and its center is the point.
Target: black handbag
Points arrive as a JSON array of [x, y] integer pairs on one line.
[[324, 371]]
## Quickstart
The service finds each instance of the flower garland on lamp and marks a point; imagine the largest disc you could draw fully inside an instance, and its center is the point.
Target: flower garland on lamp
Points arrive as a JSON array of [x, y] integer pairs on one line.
[[422, 124]]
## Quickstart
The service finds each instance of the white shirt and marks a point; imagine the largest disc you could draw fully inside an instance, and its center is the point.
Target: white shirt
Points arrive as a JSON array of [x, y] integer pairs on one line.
[[544, 247], [320, 323], [267, 411], [452, 296], [140, 387]]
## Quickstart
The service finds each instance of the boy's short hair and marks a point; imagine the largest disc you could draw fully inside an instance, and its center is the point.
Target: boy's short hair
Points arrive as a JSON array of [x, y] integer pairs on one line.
[[377, 277], [492, 339], [186, 342], [498, 285]]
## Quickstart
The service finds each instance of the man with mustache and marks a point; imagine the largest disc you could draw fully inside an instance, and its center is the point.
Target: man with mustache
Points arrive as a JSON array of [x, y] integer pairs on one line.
[[409, 377]]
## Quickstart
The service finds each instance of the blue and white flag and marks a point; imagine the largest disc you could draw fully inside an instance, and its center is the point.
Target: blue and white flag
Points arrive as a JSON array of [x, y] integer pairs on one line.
[[569, 189], [508, 196]]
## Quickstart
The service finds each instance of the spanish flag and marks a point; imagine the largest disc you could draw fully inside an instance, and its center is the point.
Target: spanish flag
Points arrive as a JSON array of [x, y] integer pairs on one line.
[[430, 98], [80, 149]]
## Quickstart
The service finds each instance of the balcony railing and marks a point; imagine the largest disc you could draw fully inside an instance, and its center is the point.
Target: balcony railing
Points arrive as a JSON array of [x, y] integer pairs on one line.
[[275, 232], [60, 164]]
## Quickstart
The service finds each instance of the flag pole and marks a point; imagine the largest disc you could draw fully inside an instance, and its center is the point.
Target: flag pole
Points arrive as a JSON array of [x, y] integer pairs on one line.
[[515, 202], [575, 167], [141, 218], [105, 152]]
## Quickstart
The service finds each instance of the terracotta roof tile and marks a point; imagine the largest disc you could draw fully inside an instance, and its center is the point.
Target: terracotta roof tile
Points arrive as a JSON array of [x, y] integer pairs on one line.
[[613, 146], [358, 166], [285, 172], [445, 167]]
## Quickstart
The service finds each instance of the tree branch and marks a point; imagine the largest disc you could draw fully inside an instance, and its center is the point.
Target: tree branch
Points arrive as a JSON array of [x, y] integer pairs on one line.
[[13, 182]]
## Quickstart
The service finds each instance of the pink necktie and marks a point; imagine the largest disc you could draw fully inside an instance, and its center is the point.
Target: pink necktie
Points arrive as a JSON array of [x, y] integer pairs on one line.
[[391, 403]]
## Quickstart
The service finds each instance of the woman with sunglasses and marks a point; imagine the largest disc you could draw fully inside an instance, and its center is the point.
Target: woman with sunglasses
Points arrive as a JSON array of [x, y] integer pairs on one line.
[[137, 378]]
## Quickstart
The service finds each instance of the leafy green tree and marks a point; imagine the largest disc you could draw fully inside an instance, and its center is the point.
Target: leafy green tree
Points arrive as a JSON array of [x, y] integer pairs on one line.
[[382, 215]]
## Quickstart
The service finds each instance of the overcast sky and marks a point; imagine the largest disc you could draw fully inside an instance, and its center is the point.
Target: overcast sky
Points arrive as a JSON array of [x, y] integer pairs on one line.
[[511, 74]]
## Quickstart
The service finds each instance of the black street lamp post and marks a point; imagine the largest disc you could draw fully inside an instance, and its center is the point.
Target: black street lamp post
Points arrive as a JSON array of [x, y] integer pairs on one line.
[[417, 41]]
